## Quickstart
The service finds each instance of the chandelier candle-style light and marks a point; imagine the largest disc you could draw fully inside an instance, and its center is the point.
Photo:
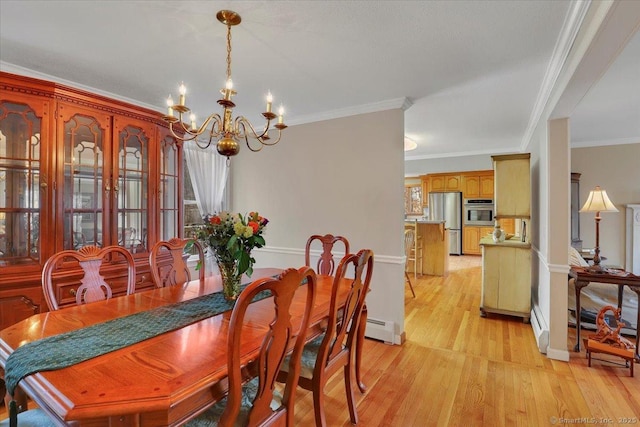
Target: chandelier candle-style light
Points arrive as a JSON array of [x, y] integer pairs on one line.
[[225, 129]]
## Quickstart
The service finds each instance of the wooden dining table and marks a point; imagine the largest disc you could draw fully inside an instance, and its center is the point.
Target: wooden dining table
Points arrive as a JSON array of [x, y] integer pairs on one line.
[[162, 381]]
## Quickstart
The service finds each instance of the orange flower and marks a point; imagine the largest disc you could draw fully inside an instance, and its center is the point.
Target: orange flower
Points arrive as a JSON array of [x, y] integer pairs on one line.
[[254, 225], [214, 220]]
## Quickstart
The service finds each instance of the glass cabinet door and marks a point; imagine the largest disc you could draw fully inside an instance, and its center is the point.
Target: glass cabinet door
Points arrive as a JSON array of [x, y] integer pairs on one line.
[[83, 169], [132, 187], [20, 195], [169, 188]]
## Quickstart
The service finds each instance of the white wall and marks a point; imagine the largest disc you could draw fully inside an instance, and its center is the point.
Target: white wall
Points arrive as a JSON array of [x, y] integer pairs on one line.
[[448, 164], [343, 176], [616, 169]]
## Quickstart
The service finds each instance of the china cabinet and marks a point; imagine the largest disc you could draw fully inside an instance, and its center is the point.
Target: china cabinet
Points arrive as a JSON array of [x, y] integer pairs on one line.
[[78, 169]]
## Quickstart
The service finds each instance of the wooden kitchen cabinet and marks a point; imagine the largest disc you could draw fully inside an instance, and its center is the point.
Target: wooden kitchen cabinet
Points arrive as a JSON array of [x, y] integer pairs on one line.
[[512, 175], [506, 278], [426, 189], [445, 182], [477, 185], [471, 236], [78, 169]]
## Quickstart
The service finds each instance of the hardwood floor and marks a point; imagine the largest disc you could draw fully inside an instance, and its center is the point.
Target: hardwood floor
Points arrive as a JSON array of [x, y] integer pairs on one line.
[[458, 369]]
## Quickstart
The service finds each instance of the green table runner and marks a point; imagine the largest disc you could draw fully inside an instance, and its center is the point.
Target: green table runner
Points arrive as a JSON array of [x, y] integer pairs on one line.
[[69, 348]]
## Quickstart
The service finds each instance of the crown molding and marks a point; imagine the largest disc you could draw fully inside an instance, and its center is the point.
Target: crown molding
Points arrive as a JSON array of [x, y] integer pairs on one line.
[[16, 69], [607, 142], [573, 21], [491, 152], [391, 104]]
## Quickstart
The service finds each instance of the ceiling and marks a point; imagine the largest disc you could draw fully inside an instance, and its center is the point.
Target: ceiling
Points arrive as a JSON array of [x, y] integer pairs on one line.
[[471, 72]]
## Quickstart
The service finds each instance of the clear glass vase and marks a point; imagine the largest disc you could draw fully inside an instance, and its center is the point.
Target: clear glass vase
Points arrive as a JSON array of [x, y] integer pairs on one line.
[[230, 280]]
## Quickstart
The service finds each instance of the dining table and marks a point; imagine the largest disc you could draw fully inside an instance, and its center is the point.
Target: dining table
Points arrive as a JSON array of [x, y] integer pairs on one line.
[[161, 381]]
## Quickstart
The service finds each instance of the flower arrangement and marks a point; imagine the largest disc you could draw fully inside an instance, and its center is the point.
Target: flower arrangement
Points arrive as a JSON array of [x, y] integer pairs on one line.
[[232, 237]]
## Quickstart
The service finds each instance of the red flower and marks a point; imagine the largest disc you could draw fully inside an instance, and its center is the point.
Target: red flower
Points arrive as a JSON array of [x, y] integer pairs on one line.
[[254, 225], [214, 220]]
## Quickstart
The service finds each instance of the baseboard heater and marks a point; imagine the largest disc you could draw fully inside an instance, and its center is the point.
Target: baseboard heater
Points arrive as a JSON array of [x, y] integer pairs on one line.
[[539, 331], [382, 330]]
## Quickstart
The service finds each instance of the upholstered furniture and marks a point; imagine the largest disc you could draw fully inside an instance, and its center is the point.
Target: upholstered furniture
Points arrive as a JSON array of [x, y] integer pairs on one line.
[[252, 403], [335, 349], [168, 260], [71, 276]]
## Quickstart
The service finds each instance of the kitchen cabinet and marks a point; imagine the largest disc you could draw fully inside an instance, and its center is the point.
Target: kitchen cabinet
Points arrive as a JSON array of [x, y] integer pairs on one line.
[[445, 182], [78, 169], [506, 278], [477, 185], [512, 175], [426, 189], [471, 236]]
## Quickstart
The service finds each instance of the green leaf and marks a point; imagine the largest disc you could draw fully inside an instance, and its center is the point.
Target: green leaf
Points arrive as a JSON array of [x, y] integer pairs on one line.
[[259, 240], [243, 262], [232, 241]]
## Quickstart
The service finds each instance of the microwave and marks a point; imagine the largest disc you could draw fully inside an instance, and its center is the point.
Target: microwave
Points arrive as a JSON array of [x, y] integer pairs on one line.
[[478, 212]]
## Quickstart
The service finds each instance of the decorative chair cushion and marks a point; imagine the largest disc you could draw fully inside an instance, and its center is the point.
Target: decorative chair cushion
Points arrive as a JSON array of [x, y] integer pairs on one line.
[[31, 418], [210, 417]]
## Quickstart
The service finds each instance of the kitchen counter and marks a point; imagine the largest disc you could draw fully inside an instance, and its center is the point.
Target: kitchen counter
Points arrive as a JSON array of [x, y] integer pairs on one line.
[[435, 246], [513, 242], [424, 221]]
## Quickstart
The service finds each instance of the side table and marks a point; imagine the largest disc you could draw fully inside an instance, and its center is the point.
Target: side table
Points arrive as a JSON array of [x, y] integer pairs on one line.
[[583, 276]]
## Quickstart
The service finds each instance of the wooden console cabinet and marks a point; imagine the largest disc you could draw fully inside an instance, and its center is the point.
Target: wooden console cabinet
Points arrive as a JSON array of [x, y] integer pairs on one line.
[[78, 169], [506, 266]]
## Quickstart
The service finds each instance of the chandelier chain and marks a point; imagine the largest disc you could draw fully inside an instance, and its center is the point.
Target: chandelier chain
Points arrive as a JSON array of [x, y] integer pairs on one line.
[[228, 52]]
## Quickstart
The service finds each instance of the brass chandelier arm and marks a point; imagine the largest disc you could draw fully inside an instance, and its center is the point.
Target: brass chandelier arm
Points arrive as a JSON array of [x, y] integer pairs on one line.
[[263, 138], [190, 134]]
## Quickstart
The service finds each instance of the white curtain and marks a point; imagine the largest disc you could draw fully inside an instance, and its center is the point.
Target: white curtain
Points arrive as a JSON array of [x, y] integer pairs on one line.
[[208, 172]]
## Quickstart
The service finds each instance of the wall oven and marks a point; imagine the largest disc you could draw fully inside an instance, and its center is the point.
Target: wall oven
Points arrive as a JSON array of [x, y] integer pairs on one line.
[[478, 212]]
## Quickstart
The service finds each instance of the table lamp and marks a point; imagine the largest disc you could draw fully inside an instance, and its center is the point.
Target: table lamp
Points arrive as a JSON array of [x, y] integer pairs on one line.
[[597, 202]]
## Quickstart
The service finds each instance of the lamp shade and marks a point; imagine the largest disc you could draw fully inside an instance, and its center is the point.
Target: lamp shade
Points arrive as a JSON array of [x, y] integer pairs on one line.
[[598, 201]]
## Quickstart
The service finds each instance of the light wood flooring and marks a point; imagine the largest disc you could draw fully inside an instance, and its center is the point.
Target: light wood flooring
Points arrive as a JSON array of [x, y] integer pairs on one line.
[[458, 369]]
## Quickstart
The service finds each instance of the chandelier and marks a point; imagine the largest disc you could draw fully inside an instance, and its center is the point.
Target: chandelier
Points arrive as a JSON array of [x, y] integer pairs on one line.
[[227, 131]]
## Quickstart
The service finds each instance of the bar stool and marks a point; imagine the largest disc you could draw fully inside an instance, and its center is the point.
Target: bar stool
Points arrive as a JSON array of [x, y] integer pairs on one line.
[[416, 252]]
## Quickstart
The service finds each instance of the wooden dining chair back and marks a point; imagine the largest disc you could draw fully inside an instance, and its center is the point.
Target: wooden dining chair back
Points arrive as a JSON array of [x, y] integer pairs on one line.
[[335, 349], [84, 268], [409, 240], [252, 403], [168, 261], [326, 262]]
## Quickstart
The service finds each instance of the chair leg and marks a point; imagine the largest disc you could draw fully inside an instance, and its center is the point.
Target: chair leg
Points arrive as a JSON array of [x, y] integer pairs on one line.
[[359, 344], [350, 397], [318, 403], [410, 285]]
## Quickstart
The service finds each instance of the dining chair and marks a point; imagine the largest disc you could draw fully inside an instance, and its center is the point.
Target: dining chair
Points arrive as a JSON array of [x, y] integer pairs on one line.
[[31, 418], [168, 261], [61, 270], [326, 262], [409, 239], [335, 348], [256, 402]]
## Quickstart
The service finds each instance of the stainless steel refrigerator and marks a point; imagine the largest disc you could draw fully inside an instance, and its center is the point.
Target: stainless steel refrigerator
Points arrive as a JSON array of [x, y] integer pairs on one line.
[[448, 207]]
